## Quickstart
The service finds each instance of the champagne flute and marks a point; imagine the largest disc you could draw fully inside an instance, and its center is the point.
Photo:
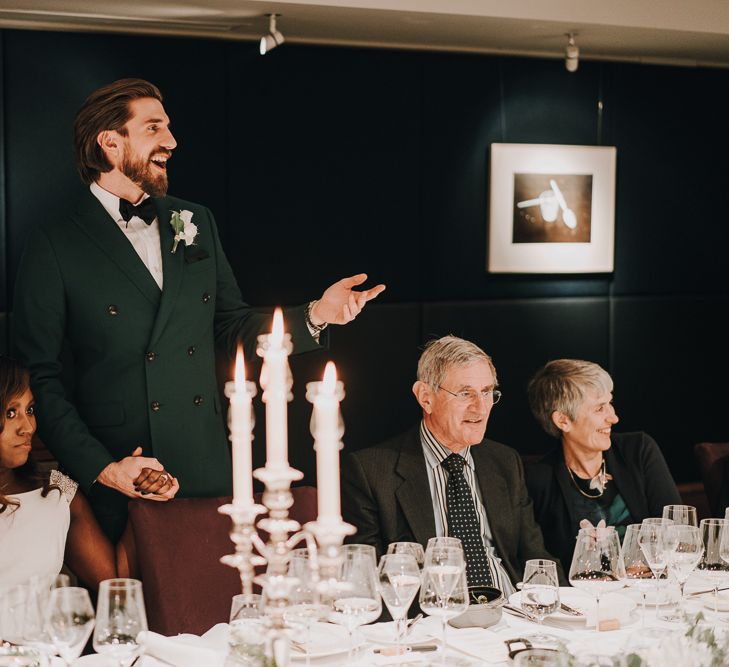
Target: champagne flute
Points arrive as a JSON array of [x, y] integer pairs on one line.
[[637, 570], [357, 600], [120, 617], [712, 564], [540, 592], [415, 549], [444, 591], [399, 580], [684, 559], [681, 514], [69, 621], [597, 564]]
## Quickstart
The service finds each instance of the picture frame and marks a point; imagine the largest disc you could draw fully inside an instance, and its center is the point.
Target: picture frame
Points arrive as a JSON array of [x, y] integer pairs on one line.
[[551, 208]]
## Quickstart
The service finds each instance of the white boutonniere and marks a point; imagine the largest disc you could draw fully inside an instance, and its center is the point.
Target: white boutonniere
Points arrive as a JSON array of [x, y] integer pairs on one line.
[[183, 227]]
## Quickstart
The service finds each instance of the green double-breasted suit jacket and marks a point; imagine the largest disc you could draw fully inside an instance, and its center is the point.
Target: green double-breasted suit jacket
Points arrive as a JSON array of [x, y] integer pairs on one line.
[[142, 360]]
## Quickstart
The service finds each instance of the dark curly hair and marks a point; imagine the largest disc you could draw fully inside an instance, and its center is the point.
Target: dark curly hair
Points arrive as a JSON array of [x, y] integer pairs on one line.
[[14, 381]]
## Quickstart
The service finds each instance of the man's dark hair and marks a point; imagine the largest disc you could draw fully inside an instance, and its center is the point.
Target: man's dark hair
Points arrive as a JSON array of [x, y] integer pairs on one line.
[[105, 109]]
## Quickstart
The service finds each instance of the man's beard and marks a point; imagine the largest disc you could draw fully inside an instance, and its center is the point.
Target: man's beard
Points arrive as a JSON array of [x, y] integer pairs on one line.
[[139, 170]]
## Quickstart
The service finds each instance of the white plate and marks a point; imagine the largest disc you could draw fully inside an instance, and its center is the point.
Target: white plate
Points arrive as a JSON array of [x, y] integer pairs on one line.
[[384, 633], [95, 660], [585, 603], [326, 639], [653, 598]]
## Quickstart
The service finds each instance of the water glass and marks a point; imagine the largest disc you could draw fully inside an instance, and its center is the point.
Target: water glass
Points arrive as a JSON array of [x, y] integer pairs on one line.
[[714, 563], [399, 580], [683, 515], [69, 621], [637, 571], [683, 561], [415, 549], [120, 617], [540, 591]]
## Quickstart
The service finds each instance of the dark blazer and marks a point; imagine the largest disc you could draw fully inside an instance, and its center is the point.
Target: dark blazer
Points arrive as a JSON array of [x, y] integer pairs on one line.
[[386, 495], [640, 475], [142, 369]]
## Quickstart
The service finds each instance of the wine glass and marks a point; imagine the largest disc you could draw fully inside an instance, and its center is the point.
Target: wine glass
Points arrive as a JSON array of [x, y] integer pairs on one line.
[[305, 605], [658, 521], [712, 564], [349, 549], [399, 580], [681, 514], [637, 571], [415, 549], [120, 617], [454, 542], [684, 559], [69, 621], [657, 542], [444, 593], [597, 564], [540, 591], [357, 600]]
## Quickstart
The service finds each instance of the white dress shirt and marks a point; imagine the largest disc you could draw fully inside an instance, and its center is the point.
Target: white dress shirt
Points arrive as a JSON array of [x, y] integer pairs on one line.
[[143, 237]]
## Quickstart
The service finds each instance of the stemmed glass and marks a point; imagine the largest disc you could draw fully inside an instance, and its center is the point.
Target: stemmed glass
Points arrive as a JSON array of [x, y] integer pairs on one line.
[[443, 590], [120, 617], [357, 601], [399, 580], [597, 564], [69, 621], [683, 560], [638, 572], [683, 515], [540, 591], [714, 563], [657, 542], [415, 549]]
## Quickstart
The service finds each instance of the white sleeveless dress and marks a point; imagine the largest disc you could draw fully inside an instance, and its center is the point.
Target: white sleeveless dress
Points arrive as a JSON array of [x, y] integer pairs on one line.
[[33, 535]]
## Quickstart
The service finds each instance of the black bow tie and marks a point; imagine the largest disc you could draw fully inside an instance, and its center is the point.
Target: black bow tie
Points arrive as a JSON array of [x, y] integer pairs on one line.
[[145, 210]]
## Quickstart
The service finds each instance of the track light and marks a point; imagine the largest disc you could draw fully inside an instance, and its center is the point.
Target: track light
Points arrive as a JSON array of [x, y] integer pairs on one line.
[[571, 54], [274, 38]]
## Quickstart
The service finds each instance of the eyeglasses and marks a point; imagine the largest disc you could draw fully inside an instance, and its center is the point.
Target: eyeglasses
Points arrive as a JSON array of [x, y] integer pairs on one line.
[[470, 395]]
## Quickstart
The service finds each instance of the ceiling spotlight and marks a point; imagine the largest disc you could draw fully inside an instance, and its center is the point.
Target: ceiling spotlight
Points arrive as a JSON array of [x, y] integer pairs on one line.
[[274, 38], [571, 54]]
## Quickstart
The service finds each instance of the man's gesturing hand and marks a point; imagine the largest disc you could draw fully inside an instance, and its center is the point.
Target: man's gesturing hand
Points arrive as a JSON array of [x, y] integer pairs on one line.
[[136, 474], [340, 303]]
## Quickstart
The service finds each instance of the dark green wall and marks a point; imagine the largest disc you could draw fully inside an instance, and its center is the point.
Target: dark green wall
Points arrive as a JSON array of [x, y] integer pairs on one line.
[[321, 162]]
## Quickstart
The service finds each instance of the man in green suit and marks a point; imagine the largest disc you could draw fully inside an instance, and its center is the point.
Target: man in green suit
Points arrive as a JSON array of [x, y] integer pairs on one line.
[[135, 288]]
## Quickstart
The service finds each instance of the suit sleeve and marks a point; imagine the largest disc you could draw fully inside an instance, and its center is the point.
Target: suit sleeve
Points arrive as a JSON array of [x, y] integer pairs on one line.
[[660, 488], [236, 321], [359, 506], [39, 333]]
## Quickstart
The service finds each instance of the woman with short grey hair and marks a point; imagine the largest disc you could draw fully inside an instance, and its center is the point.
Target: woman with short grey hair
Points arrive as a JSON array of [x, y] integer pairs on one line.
[[595, 474]]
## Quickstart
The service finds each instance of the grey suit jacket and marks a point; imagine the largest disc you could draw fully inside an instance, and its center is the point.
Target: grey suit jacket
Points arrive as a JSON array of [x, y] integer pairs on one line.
[[386, 495]]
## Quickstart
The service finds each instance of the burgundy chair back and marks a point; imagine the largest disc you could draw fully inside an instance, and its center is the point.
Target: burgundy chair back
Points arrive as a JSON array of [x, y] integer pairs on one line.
[[713, 460], [179, 544]]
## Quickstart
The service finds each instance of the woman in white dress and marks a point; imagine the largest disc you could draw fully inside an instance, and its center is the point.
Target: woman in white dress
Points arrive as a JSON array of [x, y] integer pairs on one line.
[[44, 520]]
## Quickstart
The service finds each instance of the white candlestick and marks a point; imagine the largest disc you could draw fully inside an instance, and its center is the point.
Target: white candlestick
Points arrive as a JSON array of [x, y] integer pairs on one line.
[[327, 430], [240, 419], [276, 382]]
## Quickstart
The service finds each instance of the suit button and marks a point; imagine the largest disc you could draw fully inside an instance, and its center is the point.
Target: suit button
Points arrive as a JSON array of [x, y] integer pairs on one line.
[[155, 406], [205, 297], [197, 400], [151, 356], [112, 309], [191, 350]]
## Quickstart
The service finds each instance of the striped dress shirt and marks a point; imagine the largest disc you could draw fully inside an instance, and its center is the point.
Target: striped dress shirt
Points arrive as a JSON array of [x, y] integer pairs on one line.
[[434, 454]]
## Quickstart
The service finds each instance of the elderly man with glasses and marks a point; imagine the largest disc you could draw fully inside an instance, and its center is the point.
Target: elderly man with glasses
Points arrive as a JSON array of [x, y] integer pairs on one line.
[[444, 478]]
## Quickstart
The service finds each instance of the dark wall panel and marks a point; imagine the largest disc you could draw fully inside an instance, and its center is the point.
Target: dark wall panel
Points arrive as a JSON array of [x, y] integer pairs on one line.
[[520, 336], [670, 368]]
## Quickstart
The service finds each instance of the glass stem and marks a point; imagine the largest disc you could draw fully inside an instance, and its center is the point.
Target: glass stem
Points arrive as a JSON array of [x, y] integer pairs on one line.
[[681, 584], [597, 613], [716, 599], [308, 643], [444, 624]]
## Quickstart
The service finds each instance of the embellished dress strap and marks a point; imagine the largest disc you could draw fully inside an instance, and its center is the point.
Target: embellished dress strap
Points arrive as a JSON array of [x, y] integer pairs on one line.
[[66, 484]]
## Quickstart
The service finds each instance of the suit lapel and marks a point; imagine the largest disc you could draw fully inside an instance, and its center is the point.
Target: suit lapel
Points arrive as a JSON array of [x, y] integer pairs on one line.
[[413, 494], [93, 219], [171, 268], [495, 497]]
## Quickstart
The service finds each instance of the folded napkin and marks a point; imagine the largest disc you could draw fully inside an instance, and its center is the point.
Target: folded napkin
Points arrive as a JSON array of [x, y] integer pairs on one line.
[[188, 650]]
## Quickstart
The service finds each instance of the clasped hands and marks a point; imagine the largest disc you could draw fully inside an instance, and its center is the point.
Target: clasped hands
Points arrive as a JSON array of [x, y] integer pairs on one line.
[[340, 304], [140, 476]]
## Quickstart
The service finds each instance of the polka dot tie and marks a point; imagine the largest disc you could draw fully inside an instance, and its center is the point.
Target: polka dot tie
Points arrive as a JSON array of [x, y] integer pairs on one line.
[[463, 522]]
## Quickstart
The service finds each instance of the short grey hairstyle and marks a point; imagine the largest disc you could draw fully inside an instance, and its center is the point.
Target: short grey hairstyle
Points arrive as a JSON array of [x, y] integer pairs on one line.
[[441, 354], [561, 386]]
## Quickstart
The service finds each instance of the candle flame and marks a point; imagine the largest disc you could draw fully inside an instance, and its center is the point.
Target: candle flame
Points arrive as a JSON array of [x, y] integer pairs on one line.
[[240, 370], [277, 330], [330, 378]]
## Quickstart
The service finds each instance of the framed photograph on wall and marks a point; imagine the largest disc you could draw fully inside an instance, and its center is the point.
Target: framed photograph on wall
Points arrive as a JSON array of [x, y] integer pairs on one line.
[[551, 209]]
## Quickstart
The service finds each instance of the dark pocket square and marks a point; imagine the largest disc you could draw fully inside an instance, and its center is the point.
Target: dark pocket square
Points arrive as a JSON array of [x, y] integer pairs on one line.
[[195, 254]]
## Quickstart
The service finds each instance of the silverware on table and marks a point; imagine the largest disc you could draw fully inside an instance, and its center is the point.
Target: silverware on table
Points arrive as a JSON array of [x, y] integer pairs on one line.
[[519, 612], [411, 622], [710, 590], [570, 610]]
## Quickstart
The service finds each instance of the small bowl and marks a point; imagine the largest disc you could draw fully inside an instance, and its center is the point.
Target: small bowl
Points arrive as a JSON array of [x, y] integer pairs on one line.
[[481, 614]]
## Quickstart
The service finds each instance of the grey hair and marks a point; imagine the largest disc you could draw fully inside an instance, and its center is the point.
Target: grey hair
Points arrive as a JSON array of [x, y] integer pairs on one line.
[[441, 354], [560, 386]]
